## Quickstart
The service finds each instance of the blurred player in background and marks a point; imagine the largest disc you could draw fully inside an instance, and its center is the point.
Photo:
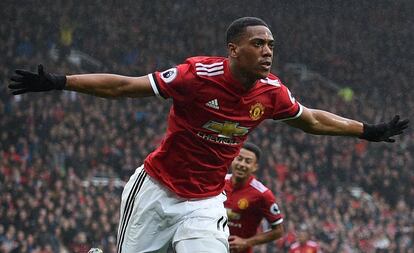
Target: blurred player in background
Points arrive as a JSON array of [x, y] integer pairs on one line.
[[304, 244], [175, 198], [248, 202]]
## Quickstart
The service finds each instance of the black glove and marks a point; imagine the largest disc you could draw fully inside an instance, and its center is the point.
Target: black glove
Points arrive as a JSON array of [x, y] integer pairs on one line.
[[26, 81], [383, 131]]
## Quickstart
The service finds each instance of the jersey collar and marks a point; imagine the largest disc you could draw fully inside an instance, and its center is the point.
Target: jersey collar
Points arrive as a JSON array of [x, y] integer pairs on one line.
[[241, 186]]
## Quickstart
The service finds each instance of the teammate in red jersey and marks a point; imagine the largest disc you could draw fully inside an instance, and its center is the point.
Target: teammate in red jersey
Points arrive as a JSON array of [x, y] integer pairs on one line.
[[248, 202], [304, 244], [175, 197]]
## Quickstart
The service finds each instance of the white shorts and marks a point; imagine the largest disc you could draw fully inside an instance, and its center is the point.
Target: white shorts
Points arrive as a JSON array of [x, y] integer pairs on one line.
[[154, 219]]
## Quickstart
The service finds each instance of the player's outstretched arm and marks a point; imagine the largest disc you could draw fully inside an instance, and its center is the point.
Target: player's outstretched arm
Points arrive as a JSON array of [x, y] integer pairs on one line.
[[101, 85], [325, 123]]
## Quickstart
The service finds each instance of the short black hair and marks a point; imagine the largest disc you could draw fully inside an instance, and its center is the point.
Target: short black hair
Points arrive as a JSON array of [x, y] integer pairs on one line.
[[253, 148], [238, 26]]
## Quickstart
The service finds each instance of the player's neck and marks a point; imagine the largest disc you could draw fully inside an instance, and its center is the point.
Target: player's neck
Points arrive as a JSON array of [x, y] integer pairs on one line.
[[240, 76], [239, 181]]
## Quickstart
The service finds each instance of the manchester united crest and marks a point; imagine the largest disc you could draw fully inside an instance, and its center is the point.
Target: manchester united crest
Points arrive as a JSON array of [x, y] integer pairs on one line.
[[256, 111], [242, 203]]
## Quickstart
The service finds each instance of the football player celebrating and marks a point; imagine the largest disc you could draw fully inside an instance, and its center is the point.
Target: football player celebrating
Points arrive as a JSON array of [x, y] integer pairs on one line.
[[248, 202], [175, 198]]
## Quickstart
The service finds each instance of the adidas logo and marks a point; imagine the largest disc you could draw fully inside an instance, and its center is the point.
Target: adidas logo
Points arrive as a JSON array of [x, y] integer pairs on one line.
[[213, 104]]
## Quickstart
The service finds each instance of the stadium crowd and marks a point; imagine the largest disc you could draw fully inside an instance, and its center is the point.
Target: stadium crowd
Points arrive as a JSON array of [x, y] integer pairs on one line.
[[353, 195]]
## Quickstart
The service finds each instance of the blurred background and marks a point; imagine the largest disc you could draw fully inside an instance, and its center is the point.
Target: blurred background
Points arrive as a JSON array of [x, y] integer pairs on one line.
[[64, 156]]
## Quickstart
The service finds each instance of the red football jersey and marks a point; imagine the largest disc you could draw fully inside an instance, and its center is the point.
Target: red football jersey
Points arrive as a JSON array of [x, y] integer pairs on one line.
[[308, 247], [248, 205], [209, 120]]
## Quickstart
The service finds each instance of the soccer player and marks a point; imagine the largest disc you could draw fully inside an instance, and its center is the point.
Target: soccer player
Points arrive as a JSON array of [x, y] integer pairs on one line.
[[175, 197], [304, 244], [248, 202]]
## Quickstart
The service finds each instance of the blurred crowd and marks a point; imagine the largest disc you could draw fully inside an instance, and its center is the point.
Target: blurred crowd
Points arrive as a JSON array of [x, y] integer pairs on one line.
[[354, 195]]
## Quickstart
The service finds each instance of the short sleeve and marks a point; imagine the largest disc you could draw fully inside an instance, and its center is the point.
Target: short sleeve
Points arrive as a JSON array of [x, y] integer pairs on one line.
[[286, 107], [270, 209], [173, 83]]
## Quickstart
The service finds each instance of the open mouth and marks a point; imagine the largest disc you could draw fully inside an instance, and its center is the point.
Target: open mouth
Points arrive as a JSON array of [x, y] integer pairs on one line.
[[240, 171], [266, 65]]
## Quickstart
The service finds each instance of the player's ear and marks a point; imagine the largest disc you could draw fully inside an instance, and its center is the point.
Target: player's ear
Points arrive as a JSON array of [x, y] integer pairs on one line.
[[233, 50], [255, 167]]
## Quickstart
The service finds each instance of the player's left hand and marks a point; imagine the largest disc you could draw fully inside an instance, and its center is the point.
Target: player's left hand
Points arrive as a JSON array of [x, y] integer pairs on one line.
[[384, 131], [237, 244]]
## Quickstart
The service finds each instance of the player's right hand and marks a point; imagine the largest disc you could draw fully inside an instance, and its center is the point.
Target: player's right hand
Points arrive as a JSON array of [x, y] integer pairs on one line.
[[237, 244], [25, 81]]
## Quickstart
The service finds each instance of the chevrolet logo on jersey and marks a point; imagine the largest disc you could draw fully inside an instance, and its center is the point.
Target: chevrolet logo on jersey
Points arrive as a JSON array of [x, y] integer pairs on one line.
[[227, 129], [232, 215]]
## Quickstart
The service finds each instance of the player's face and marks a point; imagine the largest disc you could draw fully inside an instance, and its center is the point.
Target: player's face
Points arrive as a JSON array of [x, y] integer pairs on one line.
[[254, 52], [302, 236], [244, 164]]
